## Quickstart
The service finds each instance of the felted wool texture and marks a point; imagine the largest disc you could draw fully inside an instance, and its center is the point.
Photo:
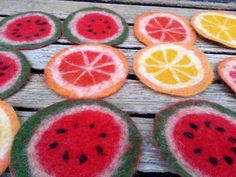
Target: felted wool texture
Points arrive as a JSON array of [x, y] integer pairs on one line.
[[227, 72], [29, 30], [154, 28], [87, 71], [198, 138], [72, 138], [14, 71], [95, 25]]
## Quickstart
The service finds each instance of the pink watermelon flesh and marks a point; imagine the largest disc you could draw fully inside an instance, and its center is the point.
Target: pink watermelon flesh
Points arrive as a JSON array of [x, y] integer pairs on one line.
[[207, 142], [83, 143], [97, 26], [28, 28], [9, 68]]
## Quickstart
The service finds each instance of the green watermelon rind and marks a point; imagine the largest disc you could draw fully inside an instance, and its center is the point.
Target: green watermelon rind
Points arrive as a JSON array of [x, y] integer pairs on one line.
[[120, 39], [162, 117], [52, 39], [19, 161], [24, 75]]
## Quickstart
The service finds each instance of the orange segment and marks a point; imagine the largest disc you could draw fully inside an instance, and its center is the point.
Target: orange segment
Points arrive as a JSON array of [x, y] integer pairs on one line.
[[227, 72], [173, 69], [87, 71], [216, 26], [155, 28]]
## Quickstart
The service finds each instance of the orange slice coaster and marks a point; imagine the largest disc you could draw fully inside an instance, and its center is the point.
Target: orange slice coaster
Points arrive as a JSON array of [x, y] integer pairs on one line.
[[216, 26], [173, 69], [156, 28], [87, 71], [227, 72], [9, 125]]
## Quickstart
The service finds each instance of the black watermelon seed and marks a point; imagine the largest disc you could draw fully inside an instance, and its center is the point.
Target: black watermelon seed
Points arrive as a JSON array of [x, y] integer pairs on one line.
[[92, 125], [193, 126], [106, 22], [103, 135], [61, 130], [28, 21], [82, 158], [228, 160], [197, 151], [2, 74], [233, 149], [213, 161], [220, 129], [18, 35], [188, 135], [14, 33], [36, 35], [53, 145], [232, 139], [207, 124], [18, 24], [43, 23], [95, 33], [37, 21], [65, 155], [103, 32], [76, 126], [108, 27], [99, 150], [100, 19], [42, 30], [4, 68], [92, 20], [90, 30]]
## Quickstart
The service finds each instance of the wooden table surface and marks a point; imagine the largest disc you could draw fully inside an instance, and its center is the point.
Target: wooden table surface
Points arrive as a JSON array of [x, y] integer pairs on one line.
[[139, 101]]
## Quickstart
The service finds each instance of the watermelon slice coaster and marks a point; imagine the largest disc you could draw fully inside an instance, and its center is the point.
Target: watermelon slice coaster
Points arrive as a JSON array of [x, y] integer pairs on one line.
[[14, 71], [29, 30], [95, 25], [77, 138], [199, 138]]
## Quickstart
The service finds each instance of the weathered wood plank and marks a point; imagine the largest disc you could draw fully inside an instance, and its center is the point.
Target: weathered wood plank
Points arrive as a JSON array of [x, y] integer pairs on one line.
[[151, 158], [133, 97]]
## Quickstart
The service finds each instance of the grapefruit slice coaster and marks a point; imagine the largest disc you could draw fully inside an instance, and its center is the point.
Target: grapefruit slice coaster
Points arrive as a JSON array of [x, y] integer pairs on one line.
[[77, 138], [217, 26], [156, 28], [87, 71], [199, 138], [227, 72], [173, 69], [9, 125], [14, 72], [95, 25], [29, 30]]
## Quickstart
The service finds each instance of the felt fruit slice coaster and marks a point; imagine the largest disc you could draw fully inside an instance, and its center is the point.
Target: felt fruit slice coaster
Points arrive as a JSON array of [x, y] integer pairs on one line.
[[9, 125], [173, 69], [227, 72], [199, 138], [95, 25], [216, 26], [77, 138], [155, 28], [29, 30], [87, 71], [14, 72]]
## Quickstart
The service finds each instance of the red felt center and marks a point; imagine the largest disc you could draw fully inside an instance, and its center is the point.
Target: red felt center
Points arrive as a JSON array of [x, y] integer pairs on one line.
[[166, 29], [8, 68], [208, 143], [82, 144], [97, 26], [86, 68], [28, 28]]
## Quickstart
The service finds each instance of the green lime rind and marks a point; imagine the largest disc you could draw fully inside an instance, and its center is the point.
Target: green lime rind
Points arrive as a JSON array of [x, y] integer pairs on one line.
[[19, 160], [23, 77], [68, 34], [160, 122], [52, 39]]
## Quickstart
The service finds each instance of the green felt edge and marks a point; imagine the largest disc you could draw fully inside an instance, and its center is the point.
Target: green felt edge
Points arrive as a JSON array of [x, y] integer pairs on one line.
[[53, 38], [24, 75], [162, 117], [116, 41], [19, 161]]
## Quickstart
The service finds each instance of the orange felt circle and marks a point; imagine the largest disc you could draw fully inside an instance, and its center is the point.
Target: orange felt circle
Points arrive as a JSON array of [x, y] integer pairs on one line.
[[223, 67], [147, 39], [66, 92], [188, 91]]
